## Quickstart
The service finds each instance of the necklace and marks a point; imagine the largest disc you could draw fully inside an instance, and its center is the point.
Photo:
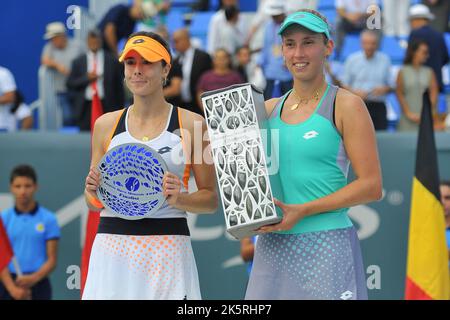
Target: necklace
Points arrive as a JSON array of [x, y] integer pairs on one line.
[[147, 138], [304, 101]]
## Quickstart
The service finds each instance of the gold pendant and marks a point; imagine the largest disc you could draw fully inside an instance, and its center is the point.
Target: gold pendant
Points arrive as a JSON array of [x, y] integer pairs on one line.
[[144, 138], [294, 107]]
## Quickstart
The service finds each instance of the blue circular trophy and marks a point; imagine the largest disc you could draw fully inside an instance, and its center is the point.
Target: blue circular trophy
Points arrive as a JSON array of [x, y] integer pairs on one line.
[[131, 181]]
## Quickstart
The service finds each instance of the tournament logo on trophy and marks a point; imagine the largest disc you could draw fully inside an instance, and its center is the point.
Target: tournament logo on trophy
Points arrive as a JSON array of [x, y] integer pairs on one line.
[[131, 181], [235, 116]]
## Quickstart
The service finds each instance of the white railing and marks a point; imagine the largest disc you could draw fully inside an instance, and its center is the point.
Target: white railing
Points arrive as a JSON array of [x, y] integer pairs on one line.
[[50, 116], [87, 23]]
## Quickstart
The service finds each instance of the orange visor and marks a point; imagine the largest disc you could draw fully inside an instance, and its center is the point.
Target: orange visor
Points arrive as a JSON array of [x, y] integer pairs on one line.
[[150, 49]]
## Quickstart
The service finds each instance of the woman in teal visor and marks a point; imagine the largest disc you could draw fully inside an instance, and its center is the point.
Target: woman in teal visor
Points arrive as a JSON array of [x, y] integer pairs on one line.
[[314, 252]]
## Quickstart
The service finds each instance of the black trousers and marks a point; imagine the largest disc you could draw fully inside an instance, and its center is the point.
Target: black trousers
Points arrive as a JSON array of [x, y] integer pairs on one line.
[[41, 290], [377, 111], [84, 122]]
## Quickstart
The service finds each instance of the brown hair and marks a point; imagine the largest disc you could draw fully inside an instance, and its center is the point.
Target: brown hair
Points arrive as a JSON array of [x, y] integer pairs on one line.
[[412, 49]]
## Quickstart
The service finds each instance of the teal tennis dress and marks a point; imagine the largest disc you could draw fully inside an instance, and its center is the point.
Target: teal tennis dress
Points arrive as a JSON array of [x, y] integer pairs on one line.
[[320, 257]]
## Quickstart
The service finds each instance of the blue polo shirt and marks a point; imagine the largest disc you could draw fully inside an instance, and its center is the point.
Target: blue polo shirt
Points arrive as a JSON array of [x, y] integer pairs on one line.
[[28, 233]]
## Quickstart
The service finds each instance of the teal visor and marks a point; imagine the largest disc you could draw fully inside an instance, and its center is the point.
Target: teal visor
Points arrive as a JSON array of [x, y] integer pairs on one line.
[[308, 20]]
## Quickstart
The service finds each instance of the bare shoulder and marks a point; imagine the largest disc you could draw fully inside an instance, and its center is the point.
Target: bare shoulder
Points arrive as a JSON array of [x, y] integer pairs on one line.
[[105, 124], [351, 112], [347, 101], [189, 118], [270, 105], [108, 120], [349, 105]]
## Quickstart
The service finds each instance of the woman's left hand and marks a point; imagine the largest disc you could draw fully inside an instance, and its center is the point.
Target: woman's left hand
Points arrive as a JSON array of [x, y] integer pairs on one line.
[[292, 213], [27, 281], [171, 188]]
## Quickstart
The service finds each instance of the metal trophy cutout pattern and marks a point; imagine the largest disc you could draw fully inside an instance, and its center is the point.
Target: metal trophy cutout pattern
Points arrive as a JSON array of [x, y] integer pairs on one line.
[[234, 116], [131, 181]]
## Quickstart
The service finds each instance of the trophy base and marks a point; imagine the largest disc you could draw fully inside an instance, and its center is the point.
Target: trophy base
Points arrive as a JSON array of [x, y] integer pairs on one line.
[[248, 230]]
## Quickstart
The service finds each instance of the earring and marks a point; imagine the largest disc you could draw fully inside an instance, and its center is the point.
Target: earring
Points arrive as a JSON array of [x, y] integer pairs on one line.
[[164, 81]]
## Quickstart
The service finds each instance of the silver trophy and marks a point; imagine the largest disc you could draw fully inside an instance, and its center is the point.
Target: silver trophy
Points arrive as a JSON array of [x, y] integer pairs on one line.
[[240, 142], [131, 181]]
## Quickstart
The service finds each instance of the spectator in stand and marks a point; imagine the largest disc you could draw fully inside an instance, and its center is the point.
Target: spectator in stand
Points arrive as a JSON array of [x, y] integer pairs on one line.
[[441, 11], [119, 23], [172, 84], [229, 36], [14, 113], [271, 60], [221, 76], [296, 5], [395, 16], [193, 63], [248, 69], [367, 74], [9, 103], [413, 79], [156, 14], [21, 116], [217, 23], [58, 54], [420, 17], [352, 18], [99, 70]]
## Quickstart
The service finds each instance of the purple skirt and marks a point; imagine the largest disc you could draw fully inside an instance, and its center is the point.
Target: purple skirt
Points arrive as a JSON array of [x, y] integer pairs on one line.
[[315, 265]]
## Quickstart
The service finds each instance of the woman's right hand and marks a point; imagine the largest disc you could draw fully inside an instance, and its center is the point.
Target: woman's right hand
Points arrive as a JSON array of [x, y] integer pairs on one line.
[[414, 117], [18, 293], [92, 181]]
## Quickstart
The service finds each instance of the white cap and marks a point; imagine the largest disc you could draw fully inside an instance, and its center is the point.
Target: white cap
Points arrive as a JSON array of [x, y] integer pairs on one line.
[[53, 29], [274, 7], [149, 9], [420, 11]]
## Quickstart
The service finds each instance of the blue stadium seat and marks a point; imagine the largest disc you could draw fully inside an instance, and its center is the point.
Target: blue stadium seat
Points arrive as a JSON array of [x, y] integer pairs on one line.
[[391, 47], [331, 15], [214, 5], [351, 45], [199, 42], [447, 40], [248, 6], [326, 4], [182, 3], [199, 23], [442, 104], [174, 21], [35, 113], [69, 130]]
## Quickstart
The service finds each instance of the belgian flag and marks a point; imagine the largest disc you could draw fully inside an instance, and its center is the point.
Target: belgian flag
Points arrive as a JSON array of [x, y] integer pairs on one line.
[[427, 274]]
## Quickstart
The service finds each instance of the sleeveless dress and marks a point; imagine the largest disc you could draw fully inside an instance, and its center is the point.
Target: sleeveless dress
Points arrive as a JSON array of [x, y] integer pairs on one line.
[[320, 257], [415, 83], [151, 258]]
